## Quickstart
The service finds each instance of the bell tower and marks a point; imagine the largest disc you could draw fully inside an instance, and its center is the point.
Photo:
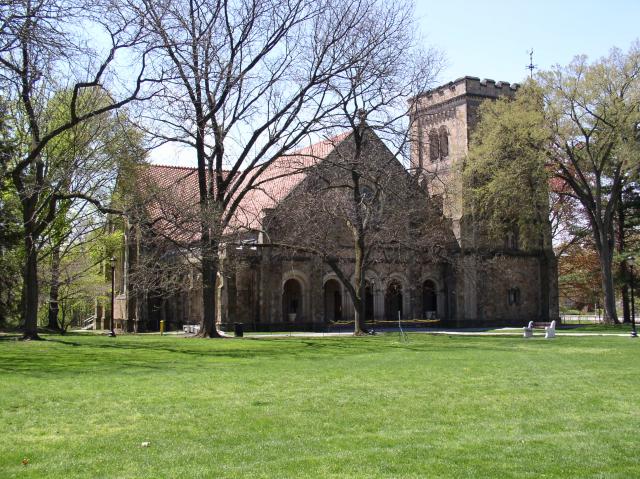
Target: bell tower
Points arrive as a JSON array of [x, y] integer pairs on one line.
[[493, 281], [442, 122]]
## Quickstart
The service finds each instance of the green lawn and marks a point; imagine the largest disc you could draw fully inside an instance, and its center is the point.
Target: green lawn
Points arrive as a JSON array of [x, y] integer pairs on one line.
[[437, 406], [598, 328], [613, 329]]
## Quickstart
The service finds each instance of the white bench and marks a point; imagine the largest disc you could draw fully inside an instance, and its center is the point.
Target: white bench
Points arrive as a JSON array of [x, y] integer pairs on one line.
[[549, 331], [528, 330], [191, 328]]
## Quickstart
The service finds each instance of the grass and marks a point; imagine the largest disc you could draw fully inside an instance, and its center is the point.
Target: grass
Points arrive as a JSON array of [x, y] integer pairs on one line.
[[596, 328], [437, 406]]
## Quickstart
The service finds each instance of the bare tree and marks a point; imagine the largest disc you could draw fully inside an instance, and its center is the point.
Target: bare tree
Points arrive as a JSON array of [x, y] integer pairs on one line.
[[359, 208], [245, 81], [372, 93]]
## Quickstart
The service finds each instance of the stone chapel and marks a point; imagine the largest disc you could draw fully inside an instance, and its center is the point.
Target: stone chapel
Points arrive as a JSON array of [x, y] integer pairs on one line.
[[474, 283]]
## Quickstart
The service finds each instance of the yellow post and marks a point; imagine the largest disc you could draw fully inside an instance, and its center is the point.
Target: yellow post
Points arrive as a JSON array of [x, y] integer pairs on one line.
[[161, 327]]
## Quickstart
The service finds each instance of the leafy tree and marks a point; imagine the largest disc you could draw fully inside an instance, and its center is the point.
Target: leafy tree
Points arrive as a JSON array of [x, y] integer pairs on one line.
[[507, 177], [579, 274], [11, 254], [627, 224], [49, 46], [580, 126], [76, 272], [591, 116], [84, 158]]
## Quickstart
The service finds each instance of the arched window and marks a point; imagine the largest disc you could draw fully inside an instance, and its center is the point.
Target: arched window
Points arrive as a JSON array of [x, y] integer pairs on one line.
[[434, 146], [393, 301], [332, 301], [443, 142], [368, 301]]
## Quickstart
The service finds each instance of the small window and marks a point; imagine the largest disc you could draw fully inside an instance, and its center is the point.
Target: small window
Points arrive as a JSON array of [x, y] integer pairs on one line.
[[434, 146], [514, 296], [443, 141], [511, 240]]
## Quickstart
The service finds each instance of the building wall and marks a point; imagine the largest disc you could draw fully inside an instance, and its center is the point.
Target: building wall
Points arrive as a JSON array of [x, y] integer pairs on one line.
[[265, 274]]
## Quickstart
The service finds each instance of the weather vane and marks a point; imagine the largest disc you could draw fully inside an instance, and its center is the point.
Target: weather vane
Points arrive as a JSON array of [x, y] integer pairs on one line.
[[531, 66]]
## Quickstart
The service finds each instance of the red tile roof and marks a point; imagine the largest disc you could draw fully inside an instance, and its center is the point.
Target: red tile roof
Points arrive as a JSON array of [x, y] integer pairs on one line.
[[169, 196], [278, 180], [170, 193]]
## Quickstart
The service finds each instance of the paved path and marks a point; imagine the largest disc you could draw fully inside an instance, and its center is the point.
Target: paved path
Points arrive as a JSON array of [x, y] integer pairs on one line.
[[517, 332]]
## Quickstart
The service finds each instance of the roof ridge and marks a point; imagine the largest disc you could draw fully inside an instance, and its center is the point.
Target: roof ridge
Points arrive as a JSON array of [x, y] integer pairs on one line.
[[170, 166], [191, 168], [317, 149]]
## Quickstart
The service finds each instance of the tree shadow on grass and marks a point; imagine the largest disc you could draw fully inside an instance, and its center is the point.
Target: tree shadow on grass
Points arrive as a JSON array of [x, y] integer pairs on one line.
[[99, 354], [12, 337]]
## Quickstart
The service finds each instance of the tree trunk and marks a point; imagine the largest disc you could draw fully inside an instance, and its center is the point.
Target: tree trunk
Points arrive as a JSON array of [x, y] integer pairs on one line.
[[359, 304], [626, 299], [30, 288], [208, 327], [620, 246], [54, 289], [209, 246], [610, 313]]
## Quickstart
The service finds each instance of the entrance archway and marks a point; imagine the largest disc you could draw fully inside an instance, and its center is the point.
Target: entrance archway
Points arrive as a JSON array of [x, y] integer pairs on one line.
[[393, 300], [332, 301], [292, 300], [429, 299]]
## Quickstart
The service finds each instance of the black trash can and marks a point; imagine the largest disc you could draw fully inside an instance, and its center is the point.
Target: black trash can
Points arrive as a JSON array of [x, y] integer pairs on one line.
[[238, 328]]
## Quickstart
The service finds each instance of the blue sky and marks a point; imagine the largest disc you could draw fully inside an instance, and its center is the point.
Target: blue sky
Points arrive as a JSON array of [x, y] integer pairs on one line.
[[490, 39]]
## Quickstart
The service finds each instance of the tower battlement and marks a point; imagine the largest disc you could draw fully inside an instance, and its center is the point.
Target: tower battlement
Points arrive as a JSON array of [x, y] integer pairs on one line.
[[465, 86]]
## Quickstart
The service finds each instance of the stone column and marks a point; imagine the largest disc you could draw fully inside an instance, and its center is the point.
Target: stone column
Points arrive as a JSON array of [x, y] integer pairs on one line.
[[378, 302], [347, 306]]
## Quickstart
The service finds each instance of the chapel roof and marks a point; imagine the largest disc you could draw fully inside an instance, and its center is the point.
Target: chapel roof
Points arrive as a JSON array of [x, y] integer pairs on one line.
[[279, 179], [170, 193]]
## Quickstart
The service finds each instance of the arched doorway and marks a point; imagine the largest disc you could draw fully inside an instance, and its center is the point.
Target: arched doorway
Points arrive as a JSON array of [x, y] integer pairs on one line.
[[429, 299], [332, 301], [292, 300], [393, 300]]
